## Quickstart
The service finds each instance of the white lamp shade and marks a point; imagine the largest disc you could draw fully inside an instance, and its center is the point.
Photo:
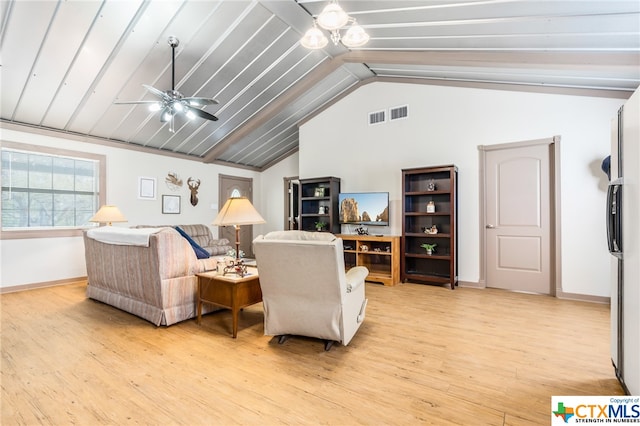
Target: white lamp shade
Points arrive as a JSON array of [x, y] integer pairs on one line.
[[238, 211], [108, 214], [355, 36], [314, 39], [333, 17]]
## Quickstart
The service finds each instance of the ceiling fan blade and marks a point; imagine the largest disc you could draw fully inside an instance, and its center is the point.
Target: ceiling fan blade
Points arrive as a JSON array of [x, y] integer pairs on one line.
[[135, 102], [196, 101], [157, 92], [201, 113]]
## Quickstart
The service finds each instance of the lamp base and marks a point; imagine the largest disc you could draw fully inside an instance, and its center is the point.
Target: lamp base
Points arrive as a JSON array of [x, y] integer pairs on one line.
[[236, 267]]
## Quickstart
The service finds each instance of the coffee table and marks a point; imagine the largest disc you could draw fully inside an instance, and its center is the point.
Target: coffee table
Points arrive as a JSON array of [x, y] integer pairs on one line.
[[229, 291]]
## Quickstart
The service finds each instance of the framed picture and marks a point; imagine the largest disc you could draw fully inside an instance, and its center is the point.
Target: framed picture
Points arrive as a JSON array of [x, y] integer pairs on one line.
[[319, 192], [146, 188], [171, 204]]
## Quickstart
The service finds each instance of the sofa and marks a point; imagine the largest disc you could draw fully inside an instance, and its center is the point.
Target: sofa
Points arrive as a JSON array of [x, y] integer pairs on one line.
[[148, 272], [201, 234]]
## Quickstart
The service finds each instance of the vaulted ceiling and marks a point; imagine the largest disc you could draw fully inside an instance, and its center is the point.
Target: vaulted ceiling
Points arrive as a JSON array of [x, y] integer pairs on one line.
[[65, 63]]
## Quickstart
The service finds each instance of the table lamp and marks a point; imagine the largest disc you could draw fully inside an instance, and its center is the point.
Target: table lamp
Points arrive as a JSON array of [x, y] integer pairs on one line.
[[235, 212], [108, 215]]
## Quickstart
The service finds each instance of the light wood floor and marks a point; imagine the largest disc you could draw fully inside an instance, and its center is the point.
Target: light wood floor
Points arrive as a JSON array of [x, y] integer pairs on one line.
[[424, 355]]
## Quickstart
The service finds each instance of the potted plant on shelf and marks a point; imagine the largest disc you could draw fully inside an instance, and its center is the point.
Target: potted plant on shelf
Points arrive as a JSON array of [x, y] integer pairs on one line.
[[430, 248], [320, 226]]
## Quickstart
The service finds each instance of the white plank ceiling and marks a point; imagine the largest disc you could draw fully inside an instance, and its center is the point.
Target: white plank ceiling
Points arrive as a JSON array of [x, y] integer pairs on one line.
[[65, 63]]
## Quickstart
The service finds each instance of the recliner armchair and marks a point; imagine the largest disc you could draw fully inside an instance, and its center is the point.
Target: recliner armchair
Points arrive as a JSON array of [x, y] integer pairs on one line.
[[305, 289]]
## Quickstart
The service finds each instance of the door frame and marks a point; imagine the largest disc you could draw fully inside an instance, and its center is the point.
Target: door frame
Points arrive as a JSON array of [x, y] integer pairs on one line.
[[288, 199], [555, 222]]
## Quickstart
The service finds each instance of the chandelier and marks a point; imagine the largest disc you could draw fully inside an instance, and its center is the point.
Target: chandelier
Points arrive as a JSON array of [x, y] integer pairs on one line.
[[333, 19]]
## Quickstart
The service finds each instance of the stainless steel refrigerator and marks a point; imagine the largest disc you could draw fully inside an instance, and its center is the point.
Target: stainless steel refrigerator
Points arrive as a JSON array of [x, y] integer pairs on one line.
[[623, 234]]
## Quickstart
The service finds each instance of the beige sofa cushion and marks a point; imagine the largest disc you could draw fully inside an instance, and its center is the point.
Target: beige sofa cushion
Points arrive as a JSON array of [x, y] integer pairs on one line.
[[202, 235]]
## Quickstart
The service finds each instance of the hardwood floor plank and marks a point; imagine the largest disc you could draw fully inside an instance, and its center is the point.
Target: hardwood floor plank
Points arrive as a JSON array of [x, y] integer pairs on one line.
[[424, 355]]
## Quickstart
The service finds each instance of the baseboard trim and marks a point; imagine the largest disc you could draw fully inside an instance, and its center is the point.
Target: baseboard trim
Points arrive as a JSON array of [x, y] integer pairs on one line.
[[559, 293], [583, 297], [467, 284], [33, 286], [471, 284]]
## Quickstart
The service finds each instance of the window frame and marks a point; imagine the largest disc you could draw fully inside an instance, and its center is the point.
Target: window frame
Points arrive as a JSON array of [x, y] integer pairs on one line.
[[22, 233]]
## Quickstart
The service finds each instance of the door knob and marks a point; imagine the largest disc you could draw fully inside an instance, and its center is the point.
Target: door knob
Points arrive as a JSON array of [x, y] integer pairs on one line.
[[490, 226]]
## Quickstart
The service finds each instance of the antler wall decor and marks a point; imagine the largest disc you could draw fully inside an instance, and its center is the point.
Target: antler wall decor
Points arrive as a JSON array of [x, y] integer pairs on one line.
[[173, 181], [193, 184]]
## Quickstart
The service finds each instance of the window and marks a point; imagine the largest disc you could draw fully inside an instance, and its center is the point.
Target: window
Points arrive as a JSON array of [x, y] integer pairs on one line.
[[48, 192]]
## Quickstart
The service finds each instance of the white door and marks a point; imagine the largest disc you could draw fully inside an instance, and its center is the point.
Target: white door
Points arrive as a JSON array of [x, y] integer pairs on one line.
[[518, 218]]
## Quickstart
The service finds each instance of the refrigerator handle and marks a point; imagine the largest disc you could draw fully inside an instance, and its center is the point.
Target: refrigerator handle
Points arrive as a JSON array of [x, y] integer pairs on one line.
[[614, 218]]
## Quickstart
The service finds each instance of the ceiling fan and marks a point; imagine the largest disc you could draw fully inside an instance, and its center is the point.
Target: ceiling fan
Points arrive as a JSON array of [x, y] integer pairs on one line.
[[172, 102]]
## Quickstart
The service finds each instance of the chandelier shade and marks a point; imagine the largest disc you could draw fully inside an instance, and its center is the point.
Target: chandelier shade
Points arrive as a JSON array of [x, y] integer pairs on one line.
[[314, 38], [355, 36], [333, 17]]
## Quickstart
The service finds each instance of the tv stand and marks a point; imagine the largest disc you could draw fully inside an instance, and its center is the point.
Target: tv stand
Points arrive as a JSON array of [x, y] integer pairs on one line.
[[380, 254]]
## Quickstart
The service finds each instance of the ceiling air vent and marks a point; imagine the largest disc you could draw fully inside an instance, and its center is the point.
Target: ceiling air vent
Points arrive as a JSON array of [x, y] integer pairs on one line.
[[376, 117], [398, 112]]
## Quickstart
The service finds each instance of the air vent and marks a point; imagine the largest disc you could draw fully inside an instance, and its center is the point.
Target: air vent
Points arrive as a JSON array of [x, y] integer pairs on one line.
[[398, 112], [376, 117]]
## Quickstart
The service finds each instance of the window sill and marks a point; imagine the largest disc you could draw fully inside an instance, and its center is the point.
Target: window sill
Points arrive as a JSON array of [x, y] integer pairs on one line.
[[20, 234]]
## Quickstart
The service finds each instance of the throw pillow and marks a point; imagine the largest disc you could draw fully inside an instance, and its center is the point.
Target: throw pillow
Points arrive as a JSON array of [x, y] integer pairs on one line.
[[200, 252]]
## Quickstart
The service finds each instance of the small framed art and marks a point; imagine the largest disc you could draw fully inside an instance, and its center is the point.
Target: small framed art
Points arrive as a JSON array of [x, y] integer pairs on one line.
[[171, 204], [146, 188]]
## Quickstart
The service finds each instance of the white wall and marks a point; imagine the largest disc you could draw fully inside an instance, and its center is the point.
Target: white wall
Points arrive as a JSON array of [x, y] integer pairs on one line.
[[445, 126], [271, 194], [41, 260]]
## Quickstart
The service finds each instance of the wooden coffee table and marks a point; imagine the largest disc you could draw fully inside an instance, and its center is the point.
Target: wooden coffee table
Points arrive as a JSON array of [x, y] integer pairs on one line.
[[229, 291]]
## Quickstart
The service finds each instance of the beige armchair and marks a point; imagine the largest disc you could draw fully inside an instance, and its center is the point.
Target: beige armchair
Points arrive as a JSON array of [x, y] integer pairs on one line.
[[305, 289]]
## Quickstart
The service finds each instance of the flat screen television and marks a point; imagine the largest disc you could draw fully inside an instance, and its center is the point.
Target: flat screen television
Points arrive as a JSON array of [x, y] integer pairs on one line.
[[364, 208]]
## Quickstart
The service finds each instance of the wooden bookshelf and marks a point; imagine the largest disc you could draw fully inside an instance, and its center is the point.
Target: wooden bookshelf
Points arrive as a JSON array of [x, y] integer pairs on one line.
[[318, 202], [381, 255], [429, 199]]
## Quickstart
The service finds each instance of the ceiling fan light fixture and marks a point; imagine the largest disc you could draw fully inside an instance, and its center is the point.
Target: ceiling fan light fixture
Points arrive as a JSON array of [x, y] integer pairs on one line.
[[314, 38], [166, 116], [190, 115], [177, 106], [155, 107], [333, 17], [355, 36]]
